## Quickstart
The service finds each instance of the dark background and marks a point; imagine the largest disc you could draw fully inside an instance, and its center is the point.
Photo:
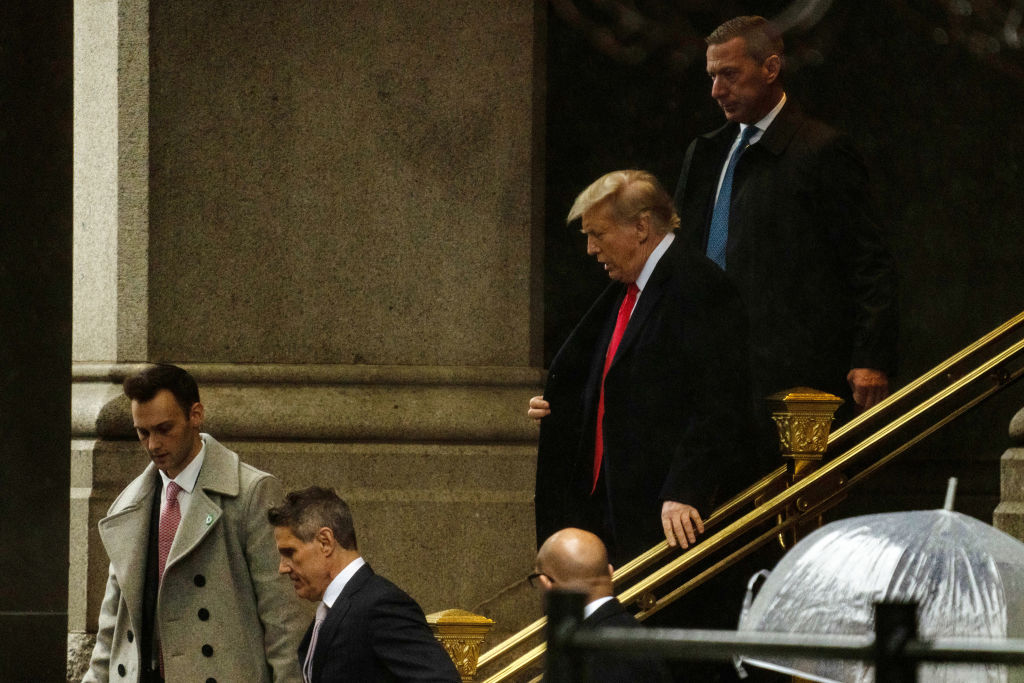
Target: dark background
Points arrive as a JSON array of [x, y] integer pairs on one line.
[[35, 336], [932, 93]]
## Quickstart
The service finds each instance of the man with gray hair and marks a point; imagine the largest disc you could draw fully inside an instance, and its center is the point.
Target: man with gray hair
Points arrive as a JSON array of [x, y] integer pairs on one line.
[[781, 202], [645, 419], [366, 628]]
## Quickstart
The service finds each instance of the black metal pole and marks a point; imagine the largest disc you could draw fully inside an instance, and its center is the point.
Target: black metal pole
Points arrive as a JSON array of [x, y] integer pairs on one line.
[[895, 624], [565, 614]]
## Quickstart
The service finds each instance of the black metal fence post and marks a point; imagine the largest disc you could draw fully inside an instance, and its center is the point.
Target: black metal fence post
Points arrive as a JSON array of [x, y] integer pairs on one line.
[[565, 614], [895, 624]]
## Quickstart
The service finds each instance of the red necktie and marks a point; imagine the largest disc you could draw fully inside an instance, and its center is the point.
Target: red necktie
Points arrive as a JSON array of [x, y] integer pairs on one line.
[[620, 327], [169, 520]]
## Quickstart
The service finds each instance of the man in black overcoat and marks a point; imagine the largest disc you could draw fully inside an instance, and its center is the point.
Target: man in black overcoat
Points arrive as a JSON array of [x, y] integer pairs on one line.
[[803, 245], [645, 420]]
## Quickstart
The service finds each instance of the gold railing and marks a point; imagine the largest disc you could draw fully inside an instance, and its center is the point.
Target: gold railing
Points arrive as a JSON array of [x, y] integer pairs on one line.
[[778, 503]]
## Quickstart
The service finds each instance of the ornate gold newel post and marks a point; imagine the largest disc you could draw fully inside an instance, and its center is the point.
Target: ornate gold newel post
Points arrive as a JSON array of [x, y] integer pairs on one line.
[[804, 418], [461, 633]]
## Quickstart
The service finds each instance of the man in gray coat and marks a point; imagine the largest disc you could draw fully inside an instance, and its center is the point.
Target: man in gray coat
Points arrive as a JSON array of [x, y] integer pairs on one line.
[[193, 592]]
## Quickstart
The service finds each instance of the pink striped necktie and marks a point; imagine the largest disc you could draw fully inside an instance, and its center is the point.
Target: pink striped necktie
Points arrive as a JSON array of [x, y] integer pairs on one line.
[[625, 309], [170, 517], [169, 520]]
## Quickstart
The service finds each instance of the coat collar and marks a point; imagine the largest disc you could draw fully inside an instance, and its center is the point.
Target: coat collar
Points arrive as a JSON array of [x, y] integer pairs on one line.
[[648, 300], [774, 140], [218, 478], [127, 521]]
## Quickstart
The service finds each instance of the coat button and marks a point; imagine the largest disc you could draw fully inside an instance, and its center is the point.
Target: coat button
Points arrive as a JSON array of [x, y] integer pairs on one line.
[[207, 651], [211, 680], [120, 670], [203, 614], [131, 636], [199, 580]]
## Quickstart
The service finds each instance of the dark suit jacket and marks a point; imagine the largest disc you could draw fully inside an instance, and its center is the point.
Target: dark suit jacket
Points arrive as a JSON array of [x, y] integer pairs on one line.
[[618, 668], [376, 632], [677, 420], [804, 250]]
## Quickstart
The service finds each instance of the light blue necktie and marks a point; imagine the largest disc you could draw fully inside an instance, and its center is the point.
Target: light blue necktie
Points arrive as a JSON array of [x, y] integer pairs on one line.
[[718, 235]]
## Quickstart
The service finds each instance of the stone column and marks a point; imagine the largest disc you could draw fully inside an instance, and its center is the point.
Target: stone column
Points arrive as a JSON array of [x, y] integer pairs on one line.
[[330, 214], [1009, 514]]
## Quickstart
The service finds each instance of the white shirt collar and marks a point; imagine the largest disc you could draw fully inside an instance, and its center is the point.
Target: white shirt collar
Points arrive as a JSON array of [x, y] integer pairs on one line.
[[652, 260], [337, 584], [186, 479], [592, 607], [763, 124]]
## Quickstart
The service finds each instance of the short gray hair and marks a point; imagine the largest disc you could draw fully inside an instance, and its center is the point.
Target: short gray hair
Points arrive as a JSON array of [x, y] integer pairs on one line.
[[762, 38], [305, 512]]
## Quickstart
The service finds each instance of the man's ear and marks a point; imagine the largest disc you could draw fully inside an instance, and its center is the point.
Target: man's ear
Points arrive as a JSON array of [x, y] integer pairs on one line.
[[325, 540], [643, 225], [611, 570], [772, 67], [196, 414]]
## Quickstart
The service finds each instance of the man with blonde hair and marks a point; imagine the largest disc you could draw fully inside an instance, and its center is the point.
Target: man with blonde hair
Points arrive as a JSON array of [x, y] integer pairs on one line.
[[645, 419]]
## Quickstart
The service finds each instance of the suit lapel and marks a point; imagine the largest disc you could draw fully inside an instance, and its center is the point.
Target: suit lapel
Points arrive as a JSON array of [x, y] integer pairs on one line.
[[647, 302], [124, 535], [335, 618], [219, 476], [703, 175]]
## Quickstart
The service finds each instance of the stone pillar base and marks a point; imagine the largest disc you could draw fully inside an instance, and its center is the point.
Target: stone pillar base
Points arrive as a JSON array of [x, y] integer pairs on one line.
[[1009, 514]]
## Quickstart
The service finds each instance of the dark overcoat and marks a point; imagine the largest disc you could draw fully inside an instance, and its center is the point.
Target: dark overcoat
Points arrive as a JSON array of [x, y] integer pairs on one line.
[[677, 420], [805, 250]]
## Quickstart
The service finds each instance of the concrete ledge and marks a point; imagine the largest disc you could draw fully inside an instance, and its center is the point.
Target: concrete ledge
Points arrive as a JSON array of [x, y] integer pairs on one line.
[[329, 402], [438, 464]]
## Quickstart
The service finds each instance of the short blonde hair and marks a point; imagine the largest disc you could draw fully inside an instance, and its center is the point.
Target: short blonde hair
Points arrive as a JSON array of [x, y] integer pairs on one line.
[[630, 192]]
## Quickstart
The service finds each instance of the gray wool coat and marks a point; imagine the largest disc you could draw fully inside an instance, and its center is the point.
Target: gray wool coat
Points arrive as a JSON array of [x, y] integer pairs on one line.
[[223, 611]]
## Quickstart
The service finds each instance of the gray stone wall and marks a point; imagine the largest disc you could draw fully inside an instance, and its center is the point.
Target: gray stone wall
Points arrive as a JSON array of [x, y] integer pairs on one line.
[[341, 182], [328, 212]]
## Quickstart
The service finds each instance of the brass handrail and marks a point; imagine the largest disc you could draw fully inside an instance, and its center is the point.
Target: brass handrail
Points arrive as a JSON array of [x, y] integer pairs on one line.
[[637, 564], [829, 476]]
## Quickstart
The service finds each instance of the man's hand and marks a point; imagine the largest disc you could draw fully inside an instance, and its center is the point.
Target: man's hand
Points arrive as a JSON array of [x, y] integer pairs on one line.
[[869, 386], [681, 523], [539, 408]]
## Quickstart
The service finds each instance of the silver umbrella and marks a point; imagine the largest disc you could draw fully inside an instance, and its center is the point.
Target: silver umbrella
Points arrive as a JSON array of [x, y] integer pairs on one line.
[[966, 576]]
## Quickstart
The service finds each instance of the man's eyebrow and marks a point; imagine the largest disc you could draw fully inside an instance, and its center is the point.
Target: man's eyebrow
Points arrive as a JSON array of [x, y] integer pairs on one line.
[[165, 423]]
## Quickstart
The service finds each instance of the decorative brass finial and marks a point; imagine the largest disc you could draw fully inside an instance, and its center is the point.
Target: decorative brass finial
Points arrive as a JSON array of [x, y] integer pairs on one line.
[[804, 418], [461, 633]]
